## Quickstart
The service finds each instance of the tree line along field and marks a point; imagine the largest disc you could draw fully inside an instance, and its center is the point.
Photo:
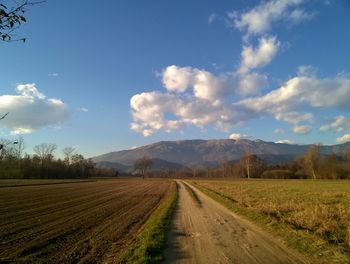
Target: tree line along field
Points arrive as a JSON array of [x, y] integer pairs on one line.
[[311, 216], [75, 222]]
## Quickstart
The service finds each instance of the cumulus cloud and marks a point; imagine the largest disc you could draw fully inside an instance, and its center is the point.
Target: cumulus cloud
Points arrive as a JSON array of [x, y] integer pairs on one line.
[[205, 84], [290, 103], [260, 56], [339, 124], [299, 15], [212, 18], [209, 87], [177, 79], [284, 141], [302, 129], [278, 131], [30, 110], [343, 139], [149, 112], [198, 97], [307, 70], [300, 93], [251, 83], [237, 136], [258, 20], [84, 109]]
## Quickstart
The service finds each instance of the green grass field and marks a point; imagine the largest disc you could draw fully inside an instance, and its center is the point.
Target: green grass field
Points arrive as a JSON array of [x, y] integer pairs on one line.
[[312, 217]]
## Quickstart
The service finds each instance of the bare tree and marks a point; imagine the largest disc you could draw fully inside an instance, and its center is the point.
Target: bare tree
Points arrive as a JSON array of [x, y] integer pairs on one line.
[[45, 151], [329, 167], [68, 153], [2, 145], [246, 163], [6, 148], [142, 165], [19, 149], [312, 161], [225, 167], [252, 166]]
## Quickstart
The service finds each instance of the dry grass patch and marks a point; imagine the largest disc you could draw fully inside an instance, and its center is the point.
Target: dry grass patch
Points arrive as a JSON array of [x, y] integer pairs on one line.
[[311, 216]]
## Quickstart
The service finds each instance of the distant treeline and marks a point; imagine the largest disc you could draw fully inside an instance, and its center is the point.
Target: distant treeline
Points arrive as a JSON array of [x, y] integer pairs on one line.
[[15, 164], [312, 165]]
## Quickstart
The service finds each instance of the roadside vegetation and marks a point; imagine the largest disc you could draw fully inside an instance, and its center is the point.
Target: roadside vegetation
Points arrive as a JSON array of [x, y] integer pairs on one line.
[[193, 194], [150, 243], [312, 217]]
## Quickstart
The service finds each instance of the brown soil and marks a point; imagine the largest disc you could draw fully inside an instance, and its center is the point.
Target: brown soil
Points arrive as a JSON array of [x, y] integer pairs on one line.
[[213, 234], [75, 222]]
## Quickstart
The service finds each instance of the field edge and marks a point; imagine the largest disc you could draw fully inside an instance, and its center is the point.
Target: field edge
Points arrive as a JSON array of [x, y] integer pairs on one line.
[[149, 244]]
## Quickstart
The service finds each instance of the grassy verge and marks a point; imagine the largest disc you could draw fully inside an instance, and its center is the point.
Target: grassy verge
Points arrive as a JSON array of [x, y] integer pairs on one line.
[[193, 195], [311, 217], [150, 243]]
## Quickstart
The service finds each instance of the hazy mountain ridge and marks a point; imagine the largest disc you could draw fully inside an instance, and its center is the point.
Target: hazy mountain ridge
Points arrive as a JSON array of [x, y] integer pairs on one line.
[[186, 153]]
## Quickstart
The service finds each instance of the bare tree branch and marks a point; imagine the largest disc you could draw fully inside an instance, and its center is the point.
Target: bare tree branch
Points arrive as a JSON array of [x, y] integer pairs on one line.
[[4, 116]]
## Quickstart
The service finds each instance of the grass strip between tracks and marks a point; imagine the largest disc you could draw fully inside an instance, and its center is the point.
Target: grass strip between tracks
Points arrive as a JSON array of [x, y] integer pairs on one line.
[[314, 250], [150, 243], [193, 195]]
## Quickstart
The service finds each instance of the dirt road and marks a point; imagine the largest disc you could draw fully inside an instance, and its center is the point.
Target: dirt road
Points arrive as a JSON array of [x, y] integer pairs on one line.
[[213, 234]]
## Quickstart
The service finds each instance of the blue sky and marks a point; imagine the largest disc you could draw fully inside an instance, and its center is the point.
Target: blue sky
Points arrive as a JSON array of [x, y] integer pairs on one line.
[[111, 75]]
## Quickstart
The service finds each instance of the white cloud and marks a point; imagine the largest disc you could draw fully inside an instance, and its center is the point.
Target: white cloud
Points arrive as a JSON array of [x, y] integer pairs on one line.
[[339, 124], [149, 112], [53, 74], [284, 141], [177, 79], [293, 117], [29, 90], [30, 110], [212, 18], [251, 83], [343, 139], [260, 56], [198, 97], [237, 136], [307, 70], [302, 129], [205, 85], [301, 93], [210, 103], [299, 15], [21, 130], [278, 131], [84, 109], [209, 87], [259, 19]]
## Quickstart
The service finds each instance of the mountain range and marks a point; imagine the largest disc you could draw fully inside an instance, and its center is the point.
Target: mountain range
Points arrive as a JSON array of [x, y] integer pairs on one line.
[[206, 153]]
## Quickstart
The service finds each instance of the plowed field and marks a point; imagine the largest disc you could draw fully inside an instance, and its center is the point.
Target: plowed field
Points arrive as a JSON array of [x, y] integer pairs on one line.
[[74, 222]]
